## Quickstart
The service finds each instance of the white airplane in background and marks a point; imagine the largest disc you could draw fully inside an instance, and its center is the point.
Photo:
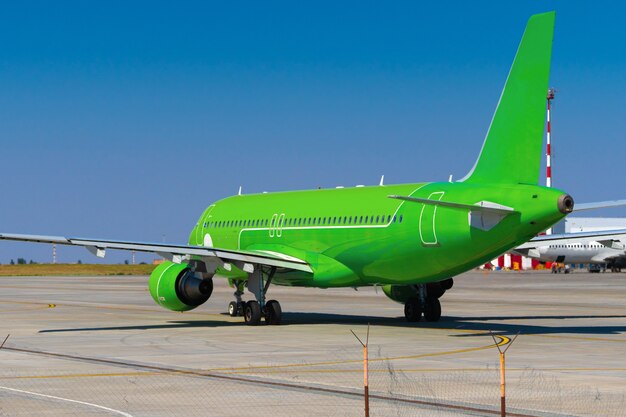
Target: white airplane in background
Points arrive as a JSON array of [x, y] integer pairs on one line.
[[604, 248]]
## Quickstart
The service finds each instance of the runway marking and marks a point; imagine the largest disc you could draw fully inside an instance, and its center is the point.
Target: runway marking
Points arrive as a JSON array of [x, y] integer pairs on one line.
[[417, 370], [268, 383], [503, 341], [64, 376], [104, 307], [52, 397]]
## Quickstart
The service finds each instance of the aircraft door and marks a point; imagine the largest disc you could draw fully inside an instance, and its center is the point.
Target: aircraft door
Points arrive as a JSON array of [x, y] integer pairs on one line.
[[427, 221], [202, 226], [279, 226]]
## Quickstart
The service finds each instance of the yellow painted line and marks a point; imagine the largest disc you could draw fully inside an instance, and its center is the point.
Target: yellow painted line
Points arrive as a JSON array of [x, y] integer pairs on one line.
[[101, 307], [417, 370], [503, 341], [62, 376]]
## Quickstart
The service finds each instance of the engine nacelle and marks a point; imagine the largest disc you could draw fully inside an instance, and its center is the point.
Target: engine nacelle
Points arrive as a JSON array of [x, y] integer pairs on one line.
[[402, 293], [176, 287]]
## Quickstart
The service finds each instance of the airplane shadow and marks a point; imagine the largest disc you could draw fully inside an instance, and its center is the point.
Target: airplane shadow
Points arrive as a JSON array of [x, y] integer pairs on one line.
[[481, 325]]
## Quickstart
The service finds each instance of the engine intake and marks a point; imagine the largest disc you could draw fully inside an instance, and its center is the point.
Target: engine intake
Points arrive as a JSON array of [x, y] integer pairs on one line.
[[176, 287]]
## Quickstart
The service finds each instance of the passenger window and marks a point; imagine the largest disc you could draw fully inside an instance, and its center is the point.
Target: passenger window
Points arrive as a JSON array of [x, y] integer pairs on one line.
[[401, 218], [389, 219], [366, 217]]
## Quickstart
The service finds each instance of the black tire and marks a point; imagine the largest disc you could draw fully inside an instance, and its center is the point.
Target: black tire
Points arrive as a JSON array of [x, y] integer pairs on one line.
[[412, 310], [435, 290], [273, 312], [252, 313], [233, 309], [447, 284], [432, 310]]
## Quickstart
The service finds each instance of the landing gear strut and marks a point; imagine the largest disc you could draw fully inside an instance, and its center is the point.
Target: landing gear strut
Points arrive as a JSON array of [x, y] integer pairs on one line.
[[235, 308], [253, 311], [426, 302]]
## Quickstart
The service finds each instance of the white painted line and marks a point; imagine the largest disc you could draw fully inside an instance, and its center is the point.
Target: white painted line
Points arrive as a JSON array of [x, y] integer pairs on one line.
[[36, 394]]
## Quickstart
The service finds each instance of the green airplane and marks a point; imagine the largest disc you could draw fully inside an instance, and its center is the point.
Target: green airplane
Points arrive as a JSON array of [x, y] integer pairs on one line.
[[410, 239]]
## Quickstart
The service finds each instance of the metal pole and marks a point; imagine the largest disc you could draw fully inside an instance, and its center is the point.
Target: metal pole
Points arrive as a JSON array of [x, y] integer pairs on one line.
[[549, 97], [54, 253], [366, 392], [502, 387], [508, 342], [365, 382]]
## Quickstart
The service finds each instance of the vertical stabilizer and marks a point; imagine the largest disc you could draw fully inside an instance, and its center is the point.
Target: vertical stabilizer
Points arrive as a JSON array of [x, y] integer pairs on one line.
[[511, 152]]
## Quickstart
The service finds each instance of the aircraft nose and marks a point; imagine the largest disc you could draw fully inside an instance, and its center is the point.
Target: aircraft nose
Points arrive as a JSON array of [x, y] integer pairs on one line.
[[565, 204]]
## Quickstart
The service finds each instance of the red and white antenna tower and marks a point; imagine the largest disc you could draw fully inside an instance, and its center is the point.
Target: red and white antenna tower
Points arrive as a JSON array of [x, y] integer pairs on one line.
[[550, 97]]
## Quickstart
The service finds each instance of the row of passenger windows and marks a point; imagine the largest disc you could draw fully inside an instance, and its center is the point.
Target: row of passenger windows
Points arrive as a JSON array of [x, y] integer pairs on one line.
[[305, 221], [576, 246]]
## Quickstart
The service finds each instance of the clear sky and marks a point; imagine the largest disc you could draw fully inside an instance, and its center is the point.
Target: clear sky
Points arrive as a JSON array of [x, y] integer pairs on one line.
[[126, 119]]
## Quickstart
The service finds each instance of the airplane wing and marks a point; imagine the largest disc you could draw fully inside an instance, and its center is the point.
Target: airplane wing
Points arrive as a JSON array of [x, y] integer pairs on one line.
[[609, 238], [173, 252]]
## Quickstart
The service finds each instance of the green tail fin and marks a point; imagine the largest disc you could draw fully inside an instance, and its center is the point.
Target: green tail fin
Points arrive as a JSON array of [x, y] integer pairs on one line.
[[511, 152]]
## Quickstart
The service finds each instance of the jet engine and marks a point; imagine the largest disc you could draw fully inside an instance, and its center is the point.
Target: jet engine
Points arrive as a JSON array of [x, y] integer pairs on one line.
[[178, 288]]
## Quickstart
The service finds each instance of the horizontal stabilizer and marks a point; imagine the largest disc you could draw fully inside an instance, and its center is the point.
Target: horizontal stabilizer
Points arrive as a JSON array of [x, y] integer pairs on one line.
[[481, 206], [599, 205]]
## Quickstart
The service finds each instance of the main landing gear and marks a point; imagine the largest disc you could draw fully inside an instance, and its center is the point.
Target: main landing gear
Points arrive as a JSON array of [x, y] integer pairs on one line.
[[255, 310], [426, 302]]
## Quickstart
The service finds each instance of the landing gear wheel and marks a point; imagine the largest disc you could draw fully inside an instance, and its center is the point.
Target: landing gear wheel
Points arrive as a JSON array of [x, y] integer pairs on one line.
[[432, 310], [233, 309], [273, 312], [252, 313], [412, 310]]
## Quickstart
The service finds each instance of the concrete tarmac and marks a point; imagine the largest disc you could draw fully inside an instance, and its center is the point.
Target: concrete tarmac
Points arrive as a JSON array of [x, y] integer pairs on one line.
[[100, 346]]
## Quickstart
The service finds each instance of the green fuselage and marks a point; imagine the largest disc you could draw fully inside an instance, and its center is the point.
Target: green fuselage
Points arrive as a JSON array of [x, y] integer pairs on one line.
[[358, 236]]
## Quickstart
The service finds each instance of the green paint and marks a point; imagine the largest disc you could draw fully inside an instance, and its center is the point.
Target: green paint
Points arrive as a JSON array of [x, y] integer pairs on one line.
[[512, 149], [162, 286], [358, 236]]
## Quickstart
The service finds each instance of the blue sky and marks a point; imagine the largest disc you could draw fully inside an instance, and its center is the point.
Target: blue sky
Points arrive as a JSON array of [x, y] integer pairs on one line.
[[126, 119]]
